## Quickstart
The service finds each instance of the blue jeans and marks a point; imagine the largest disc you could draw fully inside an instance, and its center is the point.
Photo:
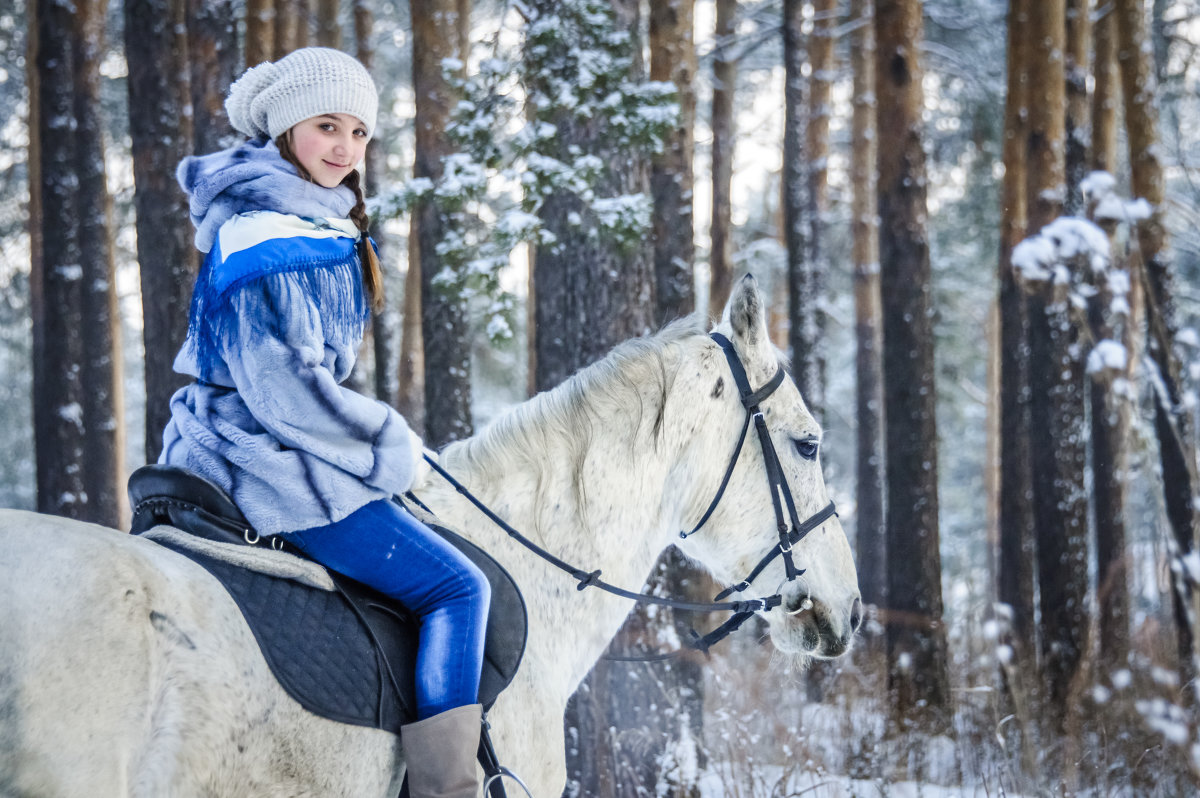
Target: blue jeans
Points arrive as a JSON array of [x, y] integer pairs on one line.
[[383, 546]]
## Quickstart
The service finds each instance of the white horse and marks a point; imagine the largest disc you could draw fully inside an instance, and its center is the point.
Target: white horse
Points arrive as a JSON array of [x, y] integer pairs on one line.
[[126, 670]]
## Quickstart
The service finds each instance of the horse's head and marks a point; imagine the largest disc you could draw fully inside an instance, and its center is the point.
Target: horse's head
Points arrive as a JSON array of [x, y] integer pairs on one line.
[[821, 607]]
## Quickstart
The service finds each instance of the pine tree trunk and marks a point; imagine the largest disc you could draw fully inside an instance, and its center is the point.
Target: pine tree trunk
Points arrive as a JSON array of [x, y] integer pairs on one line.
[[806, 313], [871, 546], [444, 321], [1110, 409], [291, 26], [260, 31], [1172, 422], [1057, 394], [582, 312], [794, 188], [213, 52], [1105, 94], [1017, 547], [103, 395], [1078, 42], [720, 257], [918, 679], [161, 134], [411, 398], [329, 30], [673, 59], [77, 412], [383, 322]]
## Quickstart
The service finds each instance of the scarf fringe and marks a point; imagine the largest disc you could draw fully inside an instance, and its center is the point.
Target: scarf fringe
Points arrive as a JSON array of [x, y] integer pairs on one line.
[[272, 303]]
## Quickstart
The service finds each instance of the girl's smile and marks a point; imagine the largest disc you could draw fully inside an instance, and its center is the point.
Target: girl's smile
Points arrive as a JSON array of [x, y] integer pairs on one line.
[[329, 146]]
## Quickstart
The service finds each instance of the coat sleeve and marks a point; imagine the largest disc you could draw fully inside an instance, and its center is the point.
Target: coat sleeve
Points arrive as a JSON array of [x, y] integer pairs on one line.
[[283, 364]]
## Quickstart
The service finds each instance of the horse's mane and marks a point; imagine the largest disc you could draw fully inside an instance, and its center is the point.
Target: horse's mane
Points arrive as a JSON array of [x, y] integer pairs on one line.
[[553, 431]]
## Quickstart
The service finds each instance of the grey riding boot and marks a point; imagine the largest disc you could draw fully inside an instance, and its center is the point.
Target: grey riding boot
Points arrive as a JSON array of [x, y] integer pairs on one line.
[[441, 754]]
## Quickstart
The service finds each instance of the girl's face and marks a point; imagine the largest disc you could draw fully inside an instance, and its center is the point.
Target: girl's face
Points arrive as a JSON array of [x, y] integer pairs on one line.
[[329, 146]]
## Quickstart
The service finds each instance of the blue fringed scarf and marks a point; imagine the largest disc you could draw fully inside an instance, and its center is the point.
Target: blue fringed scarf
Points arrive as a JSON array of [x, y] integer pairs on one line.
[[254, 177]]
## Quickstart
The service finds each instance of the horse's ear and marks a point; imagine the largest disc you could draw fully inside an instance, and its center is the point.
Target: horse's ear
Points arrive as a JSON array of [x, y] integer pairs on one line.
[[747, 317]]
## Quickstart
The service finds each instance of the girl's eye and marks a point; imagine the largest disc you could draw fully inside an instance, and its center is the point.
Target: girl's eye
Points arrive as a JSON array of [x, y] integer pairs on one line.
[[807, 448], [362, 134], [327, 126]]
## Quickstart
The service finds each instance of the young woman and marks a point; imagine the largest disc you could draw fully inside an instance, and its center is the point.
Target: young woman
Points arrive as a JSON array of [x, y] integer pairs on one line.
[[276, 319]]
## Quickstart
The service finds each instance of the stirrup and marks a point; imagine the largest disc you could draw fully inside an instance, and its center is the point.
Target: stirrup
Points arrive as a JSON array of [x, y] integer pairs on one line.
[[487, 785]]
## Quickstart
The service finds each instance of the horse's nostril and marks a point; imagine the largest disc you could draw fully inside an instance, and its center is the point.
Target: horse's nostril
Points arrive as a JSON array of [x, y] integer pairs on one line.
[[856, 614]]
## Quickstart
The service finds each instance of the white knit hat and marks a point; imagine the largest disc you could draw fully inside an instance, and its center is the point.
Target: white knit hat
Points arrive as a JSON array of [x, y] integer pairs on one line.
[[270, 98]]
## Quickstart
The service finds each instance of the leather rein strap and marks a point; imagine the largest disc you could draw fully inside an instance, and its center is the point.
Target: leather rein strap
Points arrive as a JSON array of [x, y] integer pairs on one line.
[[788, 537]]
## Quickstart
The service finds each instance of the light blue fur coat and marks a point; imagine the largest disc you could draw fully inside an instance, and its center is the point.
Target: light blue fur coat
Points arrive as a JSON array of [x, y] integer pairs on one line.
[[277, 316]]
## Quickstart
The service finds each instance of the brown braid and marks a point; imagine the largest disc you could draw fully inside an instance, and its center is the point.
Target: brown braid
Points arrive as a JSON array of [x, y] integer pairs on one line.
[[371, 271]]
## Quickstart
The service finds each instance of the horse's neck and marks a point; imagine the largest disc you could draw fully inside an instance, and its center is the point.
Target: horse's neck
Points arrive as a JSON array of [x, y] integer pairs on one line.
[[595, 501]]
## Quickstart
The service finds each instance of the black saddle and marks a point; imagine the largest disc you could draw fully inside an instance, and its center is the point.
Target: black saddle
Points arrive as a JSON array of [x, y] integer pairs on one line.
[[348, 655]]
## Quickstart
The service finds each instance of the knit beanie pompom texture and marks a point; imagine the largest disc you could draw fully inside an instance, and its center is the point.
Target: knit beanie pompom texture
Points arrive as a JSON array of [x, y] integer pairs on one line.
[[270, 98]]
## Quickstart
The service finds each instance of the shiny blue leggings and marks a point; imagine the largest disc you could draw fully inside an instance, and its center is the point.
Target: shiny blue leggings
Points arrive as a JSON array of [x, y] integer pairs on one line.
[[383, 546]]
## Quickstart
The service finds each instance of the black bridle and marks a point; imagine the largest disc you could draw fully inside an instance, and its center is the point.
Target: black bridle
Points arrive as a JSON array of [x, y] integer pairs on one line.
[[789, 535]]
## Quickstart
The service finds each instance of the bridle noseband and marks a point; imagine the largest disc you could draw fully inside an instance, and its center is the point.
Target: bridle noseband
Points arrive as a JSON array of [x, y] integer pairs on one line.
[[788, 536]]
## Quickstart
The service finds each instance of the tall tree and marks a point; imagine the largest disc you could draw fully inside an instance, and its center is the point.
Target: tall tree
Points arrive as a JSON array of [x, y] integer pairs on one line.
[[582, 312], [1171, 419], [806, 312], [1110, 406], [869, 471], [78, 413], [1057, 390], [444, 320], [383, 322], [720, 257], [794, 183], [673, 60], [1015, 560], [213, 54], [918, 679], [156, 51], [291, 26], [1078, 46], [329, 29], [260, 31]]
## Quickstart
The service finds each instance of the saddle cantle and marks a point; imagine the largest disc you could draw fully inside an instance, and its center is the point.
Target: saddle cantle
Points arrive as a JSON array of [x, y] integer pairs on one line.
[[347, 654]]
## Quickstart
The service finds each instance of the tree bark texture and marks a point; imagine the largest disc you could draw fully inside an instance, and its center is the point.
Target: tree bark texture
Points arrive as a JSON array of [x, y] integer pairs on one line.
[[794, 186], [1105, 93], [918, 679], [673, 60], [383, 322], [720, 257], [161, 132], [260, 31], [871, 545], [1078, 47], [1016, 571], [78, 414], [591, 295], [1172, 423], [291, 26], [806, 313], [1057, 392], [213, 53], [329, 30], [444, 320]]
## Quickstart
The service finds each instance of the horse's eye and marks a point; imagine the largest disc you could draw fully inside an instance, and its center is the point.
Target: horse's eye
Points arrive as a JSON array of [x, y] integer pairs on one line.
[[807, 448]]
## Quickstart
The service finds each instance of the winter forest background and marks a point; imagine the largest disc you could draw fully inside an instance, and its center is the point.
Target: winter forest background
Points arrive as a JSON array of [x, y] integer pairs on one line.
[[1008, 394]]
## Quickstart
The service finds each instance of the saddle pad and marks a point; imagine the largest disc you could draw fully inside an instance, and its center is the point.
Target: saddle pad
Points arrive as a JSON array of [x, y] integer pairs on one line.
[[350, 654]]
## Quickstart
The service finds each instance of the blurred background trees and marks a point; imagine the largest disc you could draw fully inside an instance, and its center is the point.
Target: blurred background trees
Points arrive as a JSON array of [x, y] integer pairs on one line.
[[1009, 399]]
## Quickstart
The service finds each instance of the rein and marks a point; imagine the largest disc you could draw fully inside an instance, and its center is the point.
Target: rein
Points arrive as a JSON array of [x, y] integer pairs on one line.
[[788, 536]]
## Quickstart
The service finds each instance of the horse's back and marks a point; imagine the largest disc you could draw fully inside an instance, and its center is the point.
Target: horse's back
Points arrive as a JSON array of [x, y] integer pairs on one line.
[[127, 670]]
